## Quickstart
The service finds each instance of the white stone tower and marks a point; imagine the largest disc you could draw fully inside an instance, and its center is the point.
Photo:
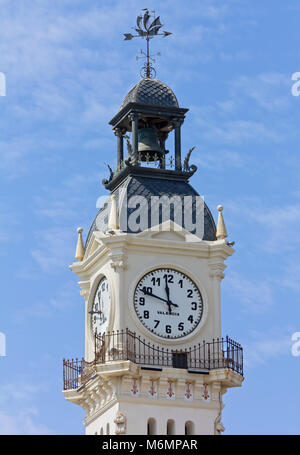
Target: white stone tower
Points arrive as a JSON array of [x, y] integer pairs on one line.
[[150, 273]]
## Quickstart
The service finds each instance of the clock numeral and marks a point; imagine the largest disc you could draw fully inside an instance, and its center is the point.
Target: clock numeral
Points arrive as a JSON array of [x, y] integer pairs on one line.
[[168, 329], [190, 293], [169, 278], [178, 320], [155, 281], [146, 290], [180, 326]]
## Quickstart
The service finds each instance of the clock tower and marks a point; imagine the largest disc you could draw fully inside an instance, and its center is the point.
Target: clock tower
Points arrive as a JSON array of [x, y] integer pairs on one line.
[[150, 272]]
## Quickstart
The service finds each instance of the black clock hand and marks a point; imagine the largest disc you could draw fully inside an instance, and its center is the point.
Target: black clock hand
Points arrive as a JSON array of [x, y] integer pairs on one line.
[[96, 312], [169, 303], [160, 298], [167, 290]]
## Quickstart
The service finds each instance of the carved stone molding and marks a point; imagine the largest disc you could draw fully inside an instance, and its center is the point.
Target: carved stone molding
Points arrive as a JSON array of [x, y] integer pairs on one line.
[[118, 262], [120, 422], [219, 427], [98, 396], [216, 271], [85, 289], [215, 390]]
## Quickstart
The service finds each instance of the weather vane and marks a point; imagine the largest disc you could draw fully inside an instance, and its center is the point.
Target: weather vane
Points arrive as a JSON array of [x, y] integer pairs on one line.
[[149, 30]]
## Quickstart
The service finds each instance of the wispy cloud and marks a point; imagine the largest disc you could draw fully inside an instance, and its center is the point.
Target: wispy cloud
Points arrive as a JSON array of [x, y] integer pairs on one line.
[[270, 91], [55, 249], [62, 299], [290, 276], [219, 159], [24, 422], [268, 221], [240, 118], [254, 295], [280, 223], [18, 416], [264, 347]]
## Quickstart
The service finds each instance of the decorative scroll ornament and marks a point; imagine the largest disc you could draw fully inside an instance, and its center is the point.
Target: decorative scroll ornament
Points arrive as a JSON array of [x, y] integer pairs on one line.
[[111, 175], [219, 427], [129, 146], [186, 165]]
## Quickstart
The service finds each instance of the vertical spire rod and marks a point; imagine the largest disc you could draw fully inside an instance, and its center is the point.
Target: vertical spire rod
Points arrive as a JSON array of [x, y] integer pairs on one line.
[[148, 58]]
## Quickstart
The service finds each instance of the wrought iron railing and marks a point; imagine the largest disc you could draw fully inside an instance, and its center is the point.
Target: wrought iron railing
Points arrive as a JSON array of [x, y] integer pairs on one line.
[[126, 345]]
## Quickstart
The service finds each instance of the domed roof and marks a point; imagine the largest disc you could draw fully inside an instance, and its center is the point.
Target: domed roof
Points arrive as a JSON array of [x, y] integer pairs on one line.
[[151, 91], [148, 187]]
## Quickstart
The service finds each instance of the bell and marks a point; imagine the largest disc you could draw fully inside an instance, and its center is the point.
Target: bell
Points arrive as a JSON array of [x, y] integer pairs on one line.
[[148, 145]]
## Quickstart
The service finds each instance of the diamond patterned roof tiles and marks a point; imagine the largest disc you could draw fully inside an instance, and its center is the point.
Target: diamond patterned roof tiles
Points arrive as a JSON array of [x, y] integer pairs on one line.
[[151, 91], [147, 187]]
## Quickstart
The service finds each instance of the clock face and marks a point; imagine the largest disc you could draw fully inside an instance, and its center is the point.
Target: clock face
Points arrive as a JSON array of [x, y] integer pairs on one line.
[[168, 303], [101, 307]]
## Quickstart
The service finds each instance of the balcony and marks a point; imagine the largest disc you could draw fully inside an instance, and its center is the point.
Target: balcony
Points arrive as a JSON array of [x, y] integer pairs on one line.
[[220, 353]]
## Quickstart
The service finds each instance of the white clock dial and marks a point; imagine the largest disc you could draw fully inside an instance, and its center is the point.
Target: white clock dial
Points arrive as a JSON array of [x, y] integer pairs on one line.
[[101, 307], [168, 303]]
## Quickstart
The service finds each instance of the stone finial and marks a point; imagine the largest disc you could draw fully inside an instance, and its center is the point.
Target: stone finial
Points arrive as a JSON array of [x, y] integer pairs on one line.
[[113, 221], [221, 228], [79, 247]]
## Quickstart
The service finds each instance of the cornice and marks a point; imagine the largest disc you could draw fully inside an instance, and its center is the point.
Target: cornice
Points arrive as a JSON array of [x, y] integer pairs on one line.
[[115, 246]]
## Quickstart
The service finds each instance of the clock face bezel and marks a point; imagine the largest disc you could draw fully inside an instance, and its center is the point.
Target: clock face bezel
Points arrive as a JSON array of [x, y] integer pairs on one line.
[[92, 301], [147, 331]]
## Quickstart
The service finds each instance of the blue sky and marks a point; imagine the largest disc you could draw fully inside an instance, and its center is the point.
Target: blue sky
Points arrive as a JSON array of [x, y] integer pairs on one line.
[[67, 70]]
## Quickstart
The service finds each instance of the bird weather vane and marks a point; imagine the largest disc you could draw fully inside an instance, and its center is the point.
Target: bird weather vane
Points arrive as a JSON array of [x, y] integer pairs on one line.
[[147, 29]]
